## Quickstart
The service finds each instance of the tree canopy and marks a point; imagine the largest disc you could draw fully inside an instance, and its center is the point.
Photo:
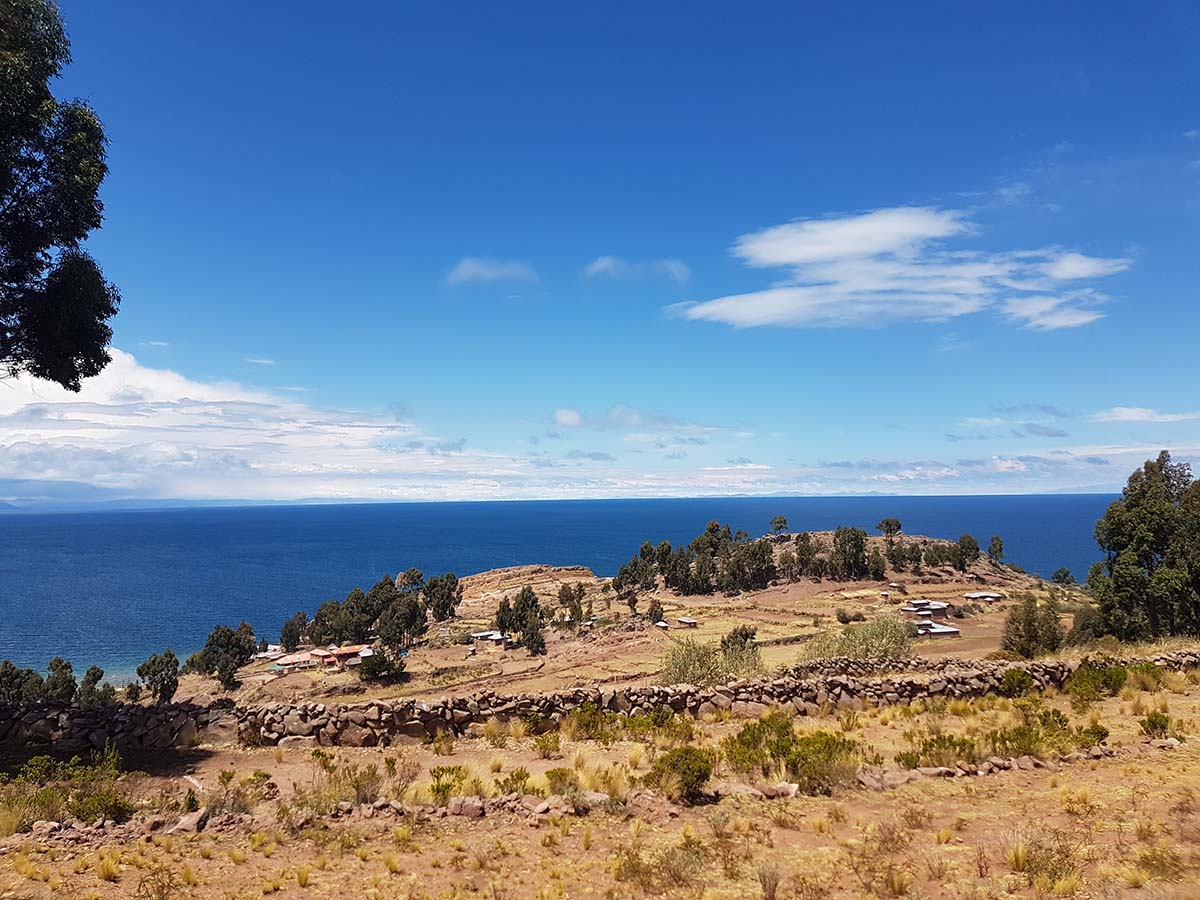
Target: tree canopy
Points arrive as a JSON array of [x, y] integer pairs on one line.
[[1148, 584], [54, 301]]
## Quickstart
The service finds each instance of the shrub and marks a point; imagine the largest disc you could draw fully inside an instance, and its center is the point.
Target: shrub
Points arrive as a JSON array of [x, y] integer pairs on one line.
[[682, 772], [1156, 725], [590, 723], [446, 780], [1091, 682], [1016, 683], [689, 661], [562, 780], [821, 761], [937, 750], [547, 744], [760, 746], [1145, 676], [515, 782], [884, 638]]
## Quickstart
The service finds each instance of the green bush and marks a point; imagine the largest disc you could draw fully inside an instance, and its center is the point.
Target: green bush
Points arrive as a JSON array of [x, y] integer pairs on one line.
[[884, 638], [515, 782], [590, 723], [820, 762], [937, 750], [1091, 682], [761, 746], [547, 744], [689, 661], [562, 780], [683, 772], [1156, 725], [1016, 683]]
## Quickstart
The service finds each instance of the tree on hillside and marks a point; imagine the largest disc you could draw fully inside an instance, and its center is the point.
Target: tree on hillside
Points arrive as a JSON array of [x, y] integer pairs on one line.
[[293, 630], [160, 673], [18, 685], [779, 525], [403, 622], [1062, 576], [1148, 585], [655, 611], [60, 681], [966, 552], [54, 301], [410, 581], [876, 565], [1031, 631], [226, 651], [92, 692], [849, 556], [889, 528], [806, 551], [531, 634], [996, 549], [442, 595]]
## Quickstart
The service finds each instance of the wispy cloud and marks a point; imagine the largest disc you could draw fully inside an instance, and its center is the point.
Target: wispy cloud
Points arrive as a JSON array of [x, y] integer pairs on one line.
[[1142, 414], [614, 267], [623, 417], [891, 265], [1044, 430], [259, 361], [477, 269], [154, 345], [1044, 409]]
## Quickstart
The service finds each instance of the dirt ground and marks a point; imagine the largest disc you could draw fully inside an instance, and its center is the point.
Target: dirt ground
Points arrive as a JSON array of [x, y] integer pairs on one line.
[[1121, 826]]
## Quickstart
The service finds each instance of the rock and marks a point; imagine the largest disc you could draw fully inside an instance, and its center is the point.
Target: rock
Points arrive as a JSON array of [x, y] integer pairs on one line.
[[355, 735], [471, 808], [190, 823], [296, 740], [1025, 762], [937, 771], [1165, 744]]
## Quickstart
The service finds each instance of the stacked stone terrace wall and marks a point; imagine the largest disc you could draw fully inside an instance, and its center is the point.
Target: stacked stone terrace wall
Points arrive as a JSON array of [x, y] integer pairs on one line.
[[803, 689]]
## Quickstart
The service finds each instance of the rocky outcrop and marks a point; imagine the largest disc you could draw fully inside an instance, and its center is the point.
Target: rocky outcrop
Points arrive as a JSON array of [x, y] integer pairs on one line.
[[804, 689]]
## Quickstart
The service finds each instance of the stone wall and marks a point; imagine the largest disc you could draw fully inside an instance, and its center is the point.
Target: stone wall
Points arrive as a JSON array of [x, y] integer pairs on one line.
[[803, 689]]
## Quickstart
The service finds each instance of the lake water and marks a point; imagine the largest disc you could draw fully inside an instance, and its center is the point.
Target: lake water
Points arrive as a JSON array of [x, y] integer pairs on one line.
[[110, 588]]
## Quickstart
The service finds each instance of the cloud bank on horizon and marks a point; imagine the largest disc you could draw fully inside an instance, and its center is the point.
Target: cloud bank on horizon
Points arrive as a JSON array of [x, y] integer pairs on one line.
[[138, 432]]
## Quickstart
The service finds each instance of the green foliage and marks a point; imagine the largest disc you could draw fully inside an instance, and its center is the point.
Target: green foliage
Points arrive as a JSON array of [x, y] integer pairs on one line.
[[161, 675], [226, 650], [876, 565], [937, 750], [887, 637], [889, 528], [683, 771], [380, 666], [92, 691], [848, 558], [515, 782], [1156, 725], [293, 631], [562, 780], [967, 552], [45, 789], [59, 685], [590, 723], [1031, 631], [1016, 683], [655, 611], [779, 525], [761, 746], [1091, 682], [547, 744], [821, 762], [442, 595], [54, 301], [1062, 576], [402, 622], [1148, 585], [445, 780], [689, 661], [995, 550]]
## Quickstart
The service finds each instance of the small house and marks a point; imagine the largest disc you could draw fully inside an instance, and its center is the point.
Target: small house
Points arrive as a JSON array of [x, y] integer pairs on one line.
[[936, 630], [687, 622], [926, 609], [983, 596]]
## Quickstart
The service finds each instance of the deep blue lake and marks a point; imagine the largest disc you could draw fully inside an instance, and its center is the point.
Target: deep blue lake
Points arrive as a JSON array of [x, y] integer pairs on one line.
[[110, 588]]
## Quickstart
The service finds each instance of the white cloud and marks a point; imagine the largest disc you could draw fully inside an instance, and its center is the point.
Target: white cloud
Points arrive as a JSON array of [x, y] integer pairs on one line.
[[615, 267], [1192, 134], [1142, 414], [259, 361], [475, 269], [1073, 266], [891, 265], [568, 418], [157, 345]]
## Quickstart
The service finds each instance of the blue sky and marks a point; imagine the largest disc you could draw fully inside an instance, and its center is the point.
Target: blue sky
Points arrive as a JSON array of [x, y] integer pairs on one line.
[[476, 250]]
